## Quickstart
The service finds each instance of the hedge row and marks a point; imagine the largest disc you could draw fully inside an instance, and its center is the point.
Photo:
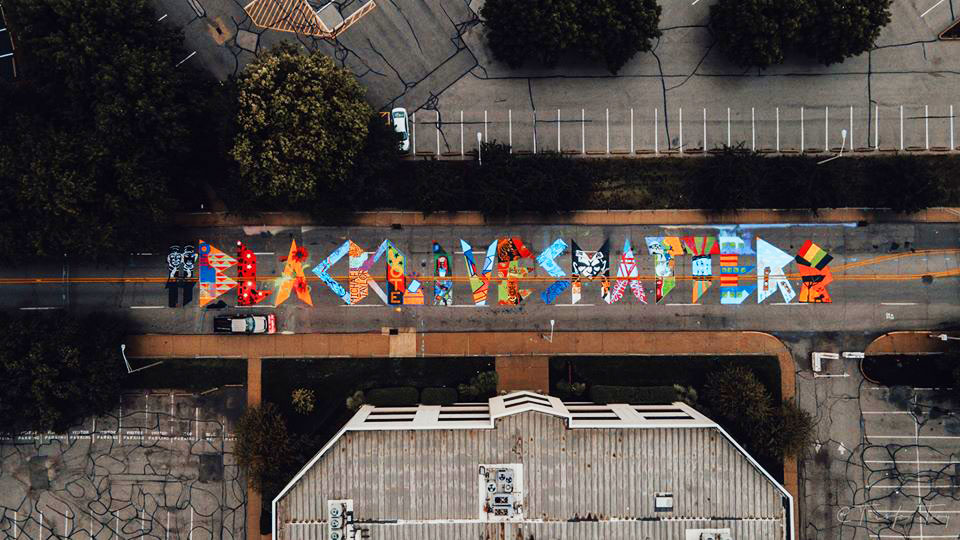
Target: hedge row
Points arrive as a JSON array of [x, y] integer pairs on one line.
[[734, 178], [408, 396], [634, 395]]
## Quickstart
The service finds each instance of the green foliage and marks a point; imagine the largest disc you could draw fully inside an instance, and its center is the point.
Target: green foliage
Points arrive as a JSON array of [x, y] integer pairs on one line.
[[686, 394], [906, 183], [438, 396], [736, 394], [571, 390], [400, 396], [356, 400], [483, 385], [58, 369], [264, 447], [760, 33], [302, 122], [546, 30], [101, 127], [635, 395], [794, 430], [740, 402], [304, 400]]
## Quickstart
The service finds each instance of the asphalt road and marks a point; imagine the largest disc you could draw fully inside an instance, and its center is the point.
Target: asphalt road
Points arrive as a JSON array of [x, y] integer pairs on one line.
[[883, 290]]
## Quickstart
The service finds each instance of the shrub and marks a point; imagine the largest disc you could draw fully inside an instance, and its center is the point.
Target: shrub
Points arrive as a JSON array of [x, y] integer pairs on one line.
[[635, 395], [438, 396], [735, 393], [686, 394], [795, 430], [729, 180], [401, 396], [304, 400], [357, 400], [483, 385], [571, 390], [264, 448]]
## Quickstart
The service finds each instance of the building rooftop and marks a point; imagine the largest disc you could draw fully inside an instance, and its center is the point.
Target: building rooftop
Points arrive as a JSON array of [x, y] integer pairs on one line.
[[527, 465]]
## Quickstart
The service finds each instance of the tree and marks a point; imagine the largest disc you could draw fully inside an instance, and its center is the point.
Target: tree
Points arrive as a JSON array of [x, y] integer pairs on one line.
[[735, 393], [834, 30], [482, 385], [760, 33], [304, 400], [794, 429], [754, 33], [609, 30], [264, 447], [302, 122], [101, 123], [58, 369]]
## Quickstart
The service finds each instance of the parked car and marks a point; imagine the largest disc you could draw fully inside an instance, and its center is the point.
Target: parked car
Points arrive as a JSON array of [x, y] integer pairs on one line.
[[245, 324], [401, 126]]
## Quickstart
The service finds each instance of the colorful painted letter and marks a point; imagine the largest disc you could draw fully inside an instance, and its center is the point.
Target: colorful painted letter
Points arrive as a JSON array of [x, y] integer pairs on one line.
[[247, 293], [590, 266], [293, 277], [771, 261], [628, 272], [547, 261], [815, 274], [213, 282]]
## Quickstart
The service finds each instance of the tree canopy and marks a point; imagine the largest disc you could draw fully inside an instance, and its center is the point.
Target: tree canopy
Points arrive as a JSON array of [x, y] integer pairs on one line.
[[761, 33], [264, 447], [302, 122], [96, 128], [57, 369], [545, 30]]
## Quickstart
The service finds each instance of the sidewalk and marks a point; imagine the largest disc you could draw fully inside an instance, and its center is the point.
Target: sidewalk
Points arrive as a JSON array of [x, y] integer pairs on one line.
[[510, 348], [585, 217], [911, 342]]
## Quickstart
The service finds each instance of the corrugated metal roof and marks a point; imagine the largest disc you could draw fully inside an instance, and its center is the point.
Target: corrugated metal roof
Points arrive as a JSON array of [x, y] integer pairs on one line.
[[612, 474], [584, 530]]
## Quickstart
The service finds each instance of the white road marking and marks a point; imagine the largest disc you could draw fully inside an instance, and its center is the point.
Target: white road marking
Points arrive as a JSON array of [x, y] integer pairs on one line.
[[360, 305], [189, 56], [162, 18], [934, 462], [574, 305], [924, 14], [886, 412], [898, 303], [147, 307], [951, 437], [38, 308], [263, 253], [683, 304], [791, 304]]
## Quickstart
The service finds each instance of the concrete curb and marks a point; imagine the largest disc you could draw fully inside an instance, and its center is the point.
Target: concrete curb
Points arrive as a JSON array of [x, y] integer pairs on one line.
[[388, 218], [497, 344], [906, 342]]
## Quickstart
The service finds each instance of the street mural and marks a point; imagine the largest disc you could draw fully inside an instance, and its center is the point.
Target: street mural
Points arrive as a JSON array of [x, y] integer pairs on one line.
[[504, 272]]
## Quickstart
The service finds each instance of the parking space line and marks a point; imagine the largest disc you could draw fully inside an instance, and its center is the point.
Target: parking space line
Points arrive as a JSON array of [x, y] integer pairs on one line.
[[944, 437], [930, 461], [931, 8], [162, 18]]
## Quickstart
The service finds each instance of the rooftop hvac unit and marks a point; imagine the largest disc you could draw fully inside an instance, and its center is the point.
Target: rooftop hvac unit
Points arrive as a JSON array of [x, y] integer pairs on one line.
[[709, 536], [336, 535]]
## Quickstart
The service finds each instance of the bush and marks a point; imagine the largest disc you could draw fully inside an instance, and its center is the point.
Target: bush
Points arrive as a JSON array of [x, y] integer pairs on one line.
[[304, 400], [357, 400], [686, 394], [264, 448], [571, 390], [634, 395], [734, 393], [546, 30], [401, 396], [795, 430], [759, 33], [58, 369], [483, 385], [438, 396]]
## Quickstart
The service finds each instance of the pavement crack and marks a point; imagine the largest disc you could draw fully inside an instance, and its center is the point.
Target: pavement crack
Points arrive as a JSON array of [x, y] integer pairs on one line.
[[663, 86], [412, 31]]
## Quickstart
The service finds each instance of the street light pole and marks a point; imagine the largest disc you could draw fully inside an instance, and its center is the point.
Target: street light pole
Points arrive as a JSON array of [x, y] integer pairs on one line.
[[479, 148], [944, 337], [843, 142]]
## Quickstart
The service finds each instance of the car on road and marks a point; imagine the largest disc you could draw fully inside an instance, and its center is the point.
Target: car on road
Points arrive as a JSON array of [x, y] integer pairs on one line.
[[245, 324], [401, 126]]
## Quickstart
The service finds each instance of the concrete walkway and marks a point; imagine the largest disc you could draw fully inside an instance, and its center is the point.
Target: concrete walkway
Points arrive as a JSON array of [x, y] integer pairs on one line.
[[511, 349]]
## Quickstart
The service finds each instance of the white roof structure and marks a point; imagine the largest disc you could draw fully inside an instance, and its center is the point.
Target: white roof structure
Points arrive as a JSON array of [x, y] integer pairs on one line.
[[581, 470]]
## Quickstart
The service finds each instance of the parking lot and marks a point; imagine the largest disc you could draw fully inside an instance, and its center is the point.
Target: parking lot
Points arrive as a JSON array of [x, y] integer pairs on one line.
[[159, 466], [887, 459]]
